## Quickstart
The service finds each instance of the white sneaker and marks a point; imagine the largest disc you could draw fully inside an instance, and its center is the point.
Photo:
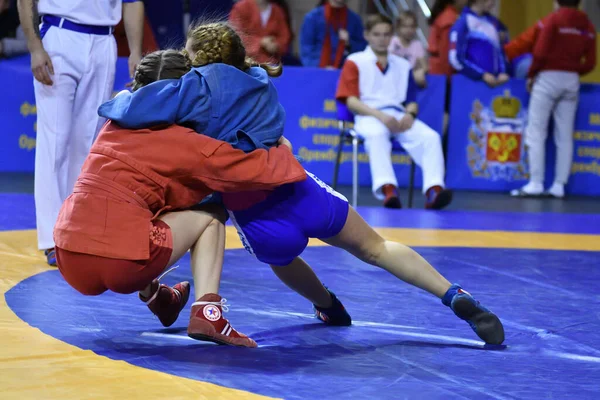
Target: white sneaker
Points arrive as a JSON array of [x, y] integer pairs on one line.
[[557, 190], [531, 189]]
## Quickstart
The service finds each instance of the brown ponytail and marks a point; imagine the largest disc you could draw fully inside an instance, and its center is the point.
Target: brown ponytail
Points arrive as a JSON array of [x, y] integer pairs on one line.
[[162, 64]]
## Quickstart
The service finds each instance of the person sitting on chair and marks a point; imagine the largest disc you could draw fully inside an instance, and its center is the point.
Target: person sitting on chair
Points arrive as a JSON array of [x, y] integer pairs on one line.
[[380, 89]]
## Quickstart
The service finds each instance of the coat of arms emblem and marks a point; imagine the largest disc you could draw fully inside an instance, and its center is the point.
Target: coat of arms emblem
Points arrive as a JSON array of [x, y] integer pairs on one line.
[[496, 148]]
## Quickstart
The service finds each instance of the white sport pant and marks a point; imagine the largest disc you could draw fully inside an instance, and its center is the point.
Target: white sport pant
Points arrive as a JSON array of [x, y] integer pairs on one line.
[[67, 117], [556, 93], [421, 142]]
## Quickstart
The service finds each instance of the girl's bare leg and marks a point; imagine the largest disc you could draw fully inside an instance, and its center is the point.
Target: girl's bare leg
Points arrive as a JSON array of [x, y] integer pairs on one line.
[[203, 232], [359, 239], [300, 277], [207, 258]]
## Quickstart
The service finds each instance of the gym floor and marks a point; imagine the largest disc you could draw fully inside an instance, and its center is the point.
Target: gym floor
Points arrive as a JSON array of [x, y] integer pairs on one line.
[[536, 263]]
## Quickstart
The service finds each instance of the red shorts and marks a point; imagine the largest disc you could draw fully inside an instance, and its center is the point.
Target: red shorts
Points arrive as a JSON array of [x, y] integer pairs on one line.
[[93, 275]]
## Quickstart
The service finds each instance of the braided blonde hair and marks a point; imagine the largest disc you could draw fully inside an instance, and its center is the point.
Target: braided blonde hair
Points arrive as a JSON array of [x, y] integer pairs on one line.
[[217, 42], [158, 65]]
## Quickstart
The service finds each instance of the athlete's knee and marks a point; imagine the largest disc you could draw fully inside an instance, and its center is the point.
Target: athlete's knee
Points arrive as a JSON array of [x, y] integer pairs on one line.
[[216, 222], [216, 211]]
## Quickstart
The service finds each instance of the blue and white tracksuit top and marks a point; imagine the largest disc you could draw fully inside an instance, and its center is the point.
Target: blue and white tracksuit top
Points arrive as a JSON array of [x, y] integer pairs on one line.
[[475, 46]]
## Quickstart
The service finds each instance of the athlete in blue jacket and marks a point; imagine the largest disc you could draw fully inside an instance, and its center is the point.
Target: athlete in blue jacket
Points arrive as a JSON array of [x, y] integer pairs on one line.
[[475, 46]]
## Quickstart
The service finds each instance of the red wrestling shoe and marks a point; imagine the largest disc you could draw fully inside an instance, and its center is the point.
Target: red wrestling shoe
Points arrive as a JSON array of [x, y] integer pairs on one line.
[[208, 324], [167, 302], [391, 196], [437, 198]]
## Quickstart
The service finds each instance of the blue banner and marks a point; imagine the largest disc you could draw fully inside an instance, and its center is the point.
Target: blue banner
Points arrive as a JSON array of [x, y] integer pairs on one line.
[[308, 95], [18, 116], [485, 152], [486, 149], [585, 171], [18, 112]]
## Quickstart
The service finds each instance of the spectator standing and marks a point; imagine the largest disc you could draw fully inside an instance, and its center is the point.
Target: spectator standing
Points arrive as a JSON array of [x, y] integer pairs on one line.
[[444, 14], [475, 48], [405, 44], [289, 58], [264, 29], [502, 29], [329, 33], [564, 48]]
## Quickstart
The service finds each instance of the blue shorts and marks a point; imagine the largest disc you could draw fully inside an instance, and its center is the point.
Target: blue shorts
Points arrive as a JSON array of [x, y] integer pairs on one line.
[[277, 230]]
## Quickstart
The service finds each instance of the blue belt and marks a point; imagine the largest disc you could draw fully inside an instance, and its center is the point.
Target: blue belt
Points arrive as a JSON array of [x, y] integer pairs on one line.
[[73, 26], [401, 109]]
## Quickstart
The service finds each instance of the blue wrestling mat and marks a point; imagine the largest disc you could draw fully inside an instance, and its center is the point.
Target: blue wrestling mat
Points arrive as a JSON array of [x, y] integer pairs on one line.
[[404, 343]]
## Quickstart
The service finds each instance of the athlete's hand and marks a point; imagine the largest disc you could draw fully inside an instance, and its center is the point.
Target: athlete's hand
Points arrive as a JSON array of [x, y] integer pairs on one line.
[[490, 79], [134, 60], [284, 142], [41, 66], [269, 44], [502, 79], [420, 77], [529, 85], [406, 122], [391, 123], [344, 35]]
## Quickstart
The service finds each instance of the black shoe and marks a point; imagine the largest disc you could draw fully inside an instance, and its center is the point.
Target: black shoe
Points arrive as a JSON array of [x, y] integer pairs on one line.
[[483, 322], [336, 315]]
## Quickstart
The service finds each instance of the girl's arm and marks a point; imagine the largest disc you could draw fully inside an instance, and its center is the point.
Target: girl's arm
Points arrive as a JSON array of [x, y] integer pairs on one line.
[[225, 169], [184, 101]]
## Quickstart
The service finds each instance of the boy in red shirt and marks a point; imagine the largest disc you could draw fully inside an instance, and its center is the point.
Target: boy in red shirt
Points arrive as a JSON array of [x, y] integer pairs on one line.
[[563, 49]]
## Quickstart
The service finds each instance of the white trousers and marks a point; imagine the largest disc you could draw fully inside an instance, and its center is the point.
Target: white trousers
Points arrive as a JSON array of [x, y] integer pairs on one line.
[[556, 93], [421, 142], [67, 117]]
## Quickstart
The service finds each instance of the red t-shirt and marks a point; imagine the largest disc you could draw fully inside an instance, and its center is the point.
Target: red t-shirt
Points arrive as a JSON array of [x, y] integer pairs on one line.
[[439, 42], [566, 42]]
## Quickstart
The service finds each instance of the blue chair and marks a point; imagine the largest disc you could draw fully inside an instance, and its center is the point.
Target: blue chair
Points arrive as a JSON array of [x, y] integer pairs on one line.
[[350, 136]]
